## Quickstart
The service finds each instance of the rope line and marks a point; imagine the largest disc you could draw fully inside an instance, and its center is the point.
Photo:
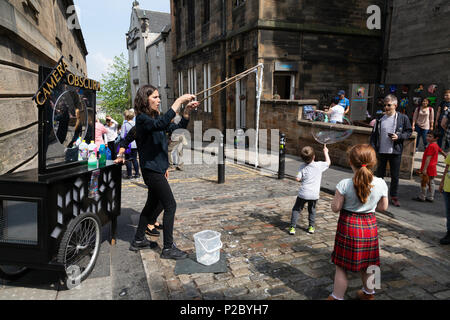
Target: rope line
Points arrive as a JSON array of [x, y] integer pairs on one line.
[[235, 79]]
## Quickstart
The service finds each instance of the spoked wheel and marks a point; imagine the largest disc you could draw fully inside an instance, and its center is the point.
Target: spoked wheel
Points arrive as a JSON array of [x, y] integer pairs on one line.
[[12, 272], [79, 248]]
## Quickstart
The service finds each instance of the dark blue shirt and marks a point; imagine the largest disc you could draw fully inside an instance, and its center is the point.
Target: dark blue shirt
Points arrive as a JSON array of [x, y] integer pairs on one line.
[[151, 139]]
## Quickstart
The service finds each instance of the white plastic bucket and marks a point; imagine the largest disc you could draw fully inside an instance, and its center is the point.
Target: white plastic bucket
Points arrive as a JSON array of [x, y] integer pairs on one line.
[[207, 247]]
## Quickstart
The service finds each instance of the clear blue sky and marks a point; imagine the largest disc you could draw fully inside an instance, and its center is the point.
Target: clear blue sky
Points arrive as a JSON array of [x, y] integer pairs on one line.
[[104, 24]]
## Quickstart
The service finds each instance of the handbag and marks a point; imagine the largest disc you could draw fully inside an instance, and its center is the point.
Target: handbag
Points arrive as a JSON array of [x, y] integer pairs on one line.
[[127, 150]]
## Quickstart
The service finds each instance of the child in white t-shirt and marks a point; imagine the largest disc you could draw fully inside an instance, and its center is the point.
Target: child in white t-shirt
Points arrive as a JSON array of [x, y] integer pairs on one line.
[[310, 174]]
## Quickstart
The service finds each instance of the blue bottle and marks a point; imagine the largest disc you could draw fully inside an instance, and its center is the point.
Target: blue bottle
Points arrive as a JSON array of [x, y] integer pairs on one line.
[[102, 155], [108, 154]]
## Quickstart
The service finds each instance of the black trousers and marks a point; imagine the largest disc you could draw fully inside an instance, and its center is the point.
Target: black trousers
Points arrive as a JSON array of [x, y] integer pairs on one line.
[[394, 164], [112, 147], [133, 157], [159, 198]]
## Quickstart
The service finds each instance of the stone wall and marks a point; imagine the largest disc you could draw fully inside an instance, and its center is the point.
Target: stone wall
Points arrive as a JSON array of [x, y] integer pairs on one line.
[[27, 40], [419, 42]]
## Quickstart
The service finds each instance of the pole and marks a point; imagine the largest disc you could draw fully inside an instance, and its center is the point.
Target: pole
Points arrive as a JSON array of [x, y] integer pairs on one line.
[[223, 98], [282, 156]]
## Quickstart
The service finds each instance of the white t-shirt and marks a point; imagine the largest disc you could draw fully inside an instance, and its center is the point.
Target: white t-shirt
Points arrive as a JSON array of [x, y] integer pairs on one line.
[[112, 131], [388, 125], [337, 113], [311, 176], [351, 200]]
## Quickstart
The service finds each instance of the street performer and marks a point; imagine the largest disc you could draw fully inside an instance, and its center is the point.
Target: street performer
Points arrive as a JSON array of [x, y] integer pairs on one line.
[[150, 135]]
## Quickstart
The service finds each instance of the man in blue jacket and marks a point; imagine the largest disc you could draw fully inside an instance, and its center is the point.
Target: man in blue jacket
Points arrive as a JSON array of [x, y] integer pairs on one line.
[[387, 138]]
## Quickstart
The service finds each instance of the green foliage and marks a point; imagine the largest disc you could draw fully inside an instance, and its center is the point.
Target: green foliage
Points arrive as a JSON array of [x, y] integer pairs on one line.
[[116, 88]]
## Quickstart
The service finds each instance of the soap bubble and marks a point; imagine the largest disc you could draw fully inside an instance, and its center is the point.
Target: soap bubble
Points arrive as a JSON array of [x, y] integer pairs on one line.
[[325, 132]]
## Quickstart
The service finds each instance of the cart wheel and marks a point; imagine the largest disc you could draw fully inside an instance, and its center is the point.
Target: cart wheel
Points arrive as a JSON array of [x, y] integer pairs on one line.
[[79, 247], [12, 272]]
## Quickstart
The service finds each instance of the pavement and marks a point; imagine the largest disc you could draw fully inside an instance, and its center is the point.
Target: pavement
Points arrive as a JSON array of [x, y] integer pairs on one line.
[[429, 217], [252, 211]]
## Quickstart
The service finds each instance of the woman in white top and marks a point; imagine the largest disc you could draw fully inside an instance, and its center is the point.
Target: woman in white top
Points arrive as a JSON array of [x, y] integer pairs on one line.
[[336, 112], [111, 126], [356, 244]]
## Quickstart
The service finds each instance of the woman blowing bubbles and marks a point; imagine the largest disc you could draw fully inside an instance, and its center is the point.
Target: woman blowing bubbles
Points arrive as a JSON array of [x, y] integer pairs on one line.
[[150, 135]]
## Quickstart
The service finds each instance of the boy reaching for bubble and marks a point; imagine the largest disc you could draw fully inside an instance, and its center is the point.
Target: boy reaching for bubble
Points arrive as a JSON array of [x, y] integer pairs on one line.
[[310, 174]]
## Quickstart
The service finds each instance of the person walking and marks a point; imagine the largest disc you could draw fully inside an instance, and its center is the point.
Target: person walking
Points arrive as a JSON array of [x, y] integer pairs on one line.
[[423, 122], [131, 157], [387, 139], [151, 139], [356, 244], [111, 136], [444, 188]]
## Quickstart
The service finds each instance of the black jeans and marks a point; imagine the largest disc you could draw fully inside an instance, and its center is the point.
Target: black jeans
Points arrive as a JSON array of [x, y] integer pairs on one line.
[[298, 207], [394, 163], [112, 147], [133, 157], [159, 198]]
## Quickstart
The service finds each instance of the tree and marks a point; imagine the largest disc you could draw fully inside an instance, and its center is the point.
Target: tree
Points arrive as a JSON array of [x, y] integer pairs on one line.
[[116, 88]]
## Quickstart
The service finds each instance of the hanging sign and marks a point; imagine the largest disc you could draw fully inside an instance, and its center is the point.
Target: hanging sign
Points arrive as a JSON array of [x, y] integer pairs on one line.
[[58, 73]]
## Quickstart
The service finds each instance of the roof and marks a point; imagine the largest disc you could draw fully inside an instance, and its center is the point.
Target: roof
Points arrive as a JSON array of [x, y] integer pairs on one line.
[[162, 36], [157, 20]]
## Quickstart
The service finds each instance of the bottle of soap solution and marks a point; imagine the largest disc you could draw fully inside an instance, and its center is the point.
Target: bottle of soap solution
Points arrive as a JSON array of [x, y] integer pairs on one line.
[[92, 154], [83, 151]]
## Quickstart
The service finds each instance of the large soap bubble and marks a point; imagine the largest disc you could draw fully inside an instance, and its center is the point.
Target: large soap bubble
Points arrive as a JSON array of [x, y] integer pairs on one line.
[[326, 132]]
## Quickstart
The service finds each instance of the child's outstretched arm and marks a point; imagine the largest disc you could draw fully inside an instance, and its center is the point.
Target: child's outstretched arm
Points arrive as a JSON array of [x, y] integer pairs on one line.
[[327, 156]]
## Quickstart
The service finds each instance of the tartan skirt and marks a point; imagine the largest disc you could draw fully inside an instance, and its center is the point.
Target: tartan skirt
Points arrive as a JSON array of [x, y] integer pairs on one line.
[[356, 244]]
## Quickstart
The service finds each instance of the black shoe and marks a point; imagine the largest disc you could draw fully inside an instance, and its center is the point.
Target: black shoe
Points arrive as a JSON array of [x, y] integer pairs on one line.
[[159, 226], [173, 253], [446, 239], [137, 176], [144, 244], [152, 232], [127, 177]]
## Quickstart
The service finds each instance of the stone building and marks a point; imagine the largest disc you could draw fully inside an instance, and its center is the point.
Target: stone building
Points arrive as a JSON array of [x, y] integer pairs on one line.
[[32, 33], [309, 49], [418, 40], [159, 56], [145, 27]]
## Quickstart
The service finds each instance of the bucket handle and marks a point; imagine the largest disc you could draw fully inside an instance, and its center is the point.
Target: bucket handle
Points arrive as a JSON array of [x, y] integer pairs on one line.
[[209, 251]]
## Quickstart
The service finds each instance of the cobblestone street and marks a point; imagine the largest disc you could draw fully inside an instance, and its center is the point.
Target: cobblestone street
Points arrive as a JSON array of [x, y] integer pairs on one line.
[[252, 212]]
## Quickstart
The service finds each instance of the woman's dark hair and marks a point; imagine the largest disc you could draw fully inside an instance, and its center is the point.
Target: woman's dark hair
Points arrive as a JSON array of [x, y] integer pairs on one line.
[[141, 101], [364, 159]]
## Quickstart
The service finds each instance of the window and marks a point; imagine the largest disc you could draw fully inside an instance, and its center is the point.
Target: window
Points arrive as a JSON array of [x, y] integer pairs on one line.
[[284, 85], [238, 3], [180, 84], [206, 85], [159, 77], [192, 80], [190, 30], [135, 57], [206, 11], [157, 50]]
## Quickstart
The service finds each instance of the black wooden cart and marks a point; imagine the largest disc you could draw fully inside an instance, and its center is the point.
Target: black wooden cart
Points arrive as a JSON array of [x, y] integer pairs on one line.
[[51, 217]]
